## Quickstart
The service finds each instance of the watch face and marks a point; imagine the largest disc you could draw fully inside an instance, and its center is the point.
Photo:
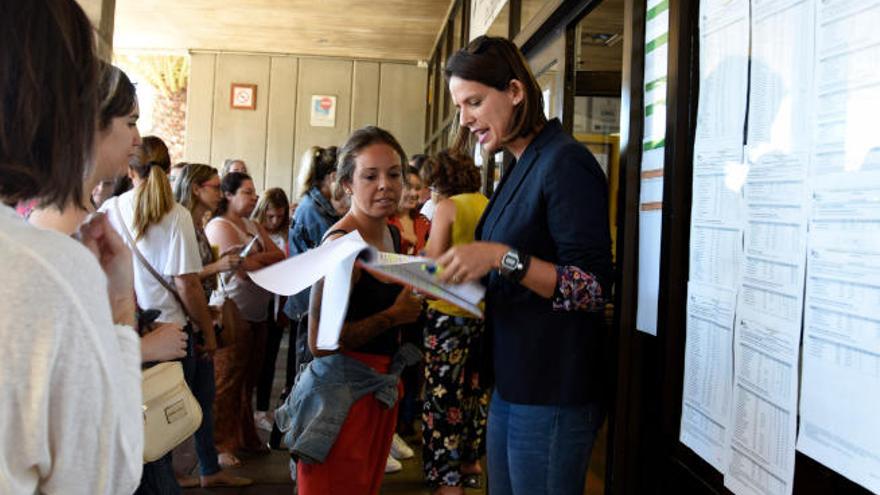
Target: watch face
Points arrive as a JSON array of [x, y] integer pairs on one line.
[[510, 261]]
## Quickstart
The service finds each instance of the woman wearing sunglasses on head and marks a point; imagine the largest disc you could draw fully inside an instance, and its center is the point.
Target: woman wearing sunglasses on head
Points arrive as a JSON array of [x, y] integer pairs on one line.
[[543, 245]]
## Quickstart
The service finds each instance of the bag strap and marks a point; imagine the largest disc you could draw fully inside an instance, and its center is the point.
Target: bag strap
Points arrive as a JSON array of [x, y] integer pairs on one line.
[[395, 236], [137, 252], [333, 232]]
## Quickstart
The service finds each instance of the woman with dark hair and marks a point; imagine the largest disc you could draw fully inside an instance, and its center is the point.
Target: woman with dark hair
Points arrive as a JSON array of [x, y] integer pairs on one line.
[[237, 372], [314, 215], [198, 190], [417, 162], [370, 171], [66, 307], [544, 244], [454, 411], [116, 143], [413, 226]]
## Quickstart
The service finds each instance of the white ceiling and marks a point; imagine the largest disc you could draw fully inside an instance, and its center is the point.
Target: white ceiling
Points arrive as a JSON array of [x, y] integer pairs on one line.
[[378, 29]]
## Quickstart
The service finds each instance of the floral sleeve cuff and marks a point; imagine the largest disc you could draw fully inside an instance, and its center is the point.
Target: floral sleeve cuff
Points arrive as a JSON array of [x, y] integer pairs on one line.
[[577, 290]]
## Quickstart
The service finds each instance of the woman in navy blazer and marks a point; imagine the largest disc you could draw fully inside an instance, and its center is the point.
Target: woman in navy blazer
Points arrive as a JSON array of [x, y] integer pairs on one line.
[[544, 249]]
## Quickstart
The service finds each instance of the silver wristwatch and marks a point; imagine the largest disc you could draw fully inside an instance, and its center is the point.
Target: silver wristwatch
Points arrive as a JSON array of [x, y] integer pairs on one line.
[[514, 265]]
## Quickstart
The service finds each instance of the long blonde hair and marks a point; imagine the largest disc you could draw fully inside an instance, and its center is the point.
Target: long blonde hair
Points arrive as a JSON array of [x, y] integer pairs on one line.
[[153, 198]]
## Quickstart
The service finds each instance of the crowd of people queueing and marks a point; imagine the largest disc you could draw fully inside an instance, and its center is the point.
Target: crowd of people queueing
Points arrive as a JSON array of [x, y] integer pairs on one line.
[[123, 260]]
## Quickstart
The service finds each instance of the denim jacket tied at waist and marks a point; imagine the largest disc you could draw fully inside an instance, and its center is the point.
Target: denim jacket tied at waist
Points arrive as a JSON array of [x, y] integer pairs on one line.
[[314, 412]]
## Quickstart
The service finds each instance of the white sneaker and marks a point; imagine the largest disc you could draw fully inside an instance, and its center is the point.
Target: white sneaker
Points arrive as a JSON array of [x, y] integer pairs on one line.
[[392, 465], [262, 420], [399, 449]]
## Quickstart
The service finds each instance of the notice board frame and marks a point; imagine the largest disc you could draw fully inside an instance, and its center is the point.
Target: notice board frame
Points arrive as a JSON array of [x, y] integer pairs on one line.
[[646, 455]]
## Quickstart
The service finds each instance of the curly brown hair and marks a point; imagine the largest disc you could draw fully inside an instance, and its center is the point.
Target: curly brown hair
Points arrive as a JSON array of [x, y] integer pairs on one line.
[[450, 173]]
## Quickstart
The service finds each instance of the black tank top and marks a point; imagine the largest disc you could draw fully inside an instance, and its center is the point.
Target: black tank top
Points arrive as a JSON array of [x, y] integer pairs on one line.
[[370, 296]]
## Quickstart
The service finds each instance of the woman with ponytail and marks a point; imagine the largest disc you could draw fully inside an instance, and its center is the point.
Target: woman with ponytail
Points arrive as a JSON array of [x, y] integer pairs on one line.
[[151, 222]]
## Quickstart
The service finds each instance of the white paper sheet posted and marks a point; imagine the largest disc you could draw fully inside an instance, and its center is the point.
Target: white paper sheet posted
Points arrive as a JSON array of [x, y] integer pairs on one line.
[[708, 364], [840, 391], [840, 395], [770, 291], [334, 262], [716, 229]]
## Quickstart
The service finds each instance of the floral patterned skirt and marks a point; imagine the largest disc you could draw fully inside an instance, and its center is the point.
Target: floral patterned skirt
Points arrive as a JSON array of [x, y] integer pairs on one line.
[[455, 408]]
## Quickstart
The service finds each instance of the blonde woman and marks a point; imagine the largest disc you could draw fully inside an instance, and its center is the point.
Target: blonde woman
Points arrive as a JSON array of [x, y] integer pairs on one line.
[[151, 222]]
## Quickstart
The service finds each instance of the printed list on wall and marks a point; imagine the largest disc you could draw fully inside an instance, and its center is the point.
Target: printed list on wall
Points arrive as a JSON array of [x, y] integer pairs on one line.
[[785, 235]]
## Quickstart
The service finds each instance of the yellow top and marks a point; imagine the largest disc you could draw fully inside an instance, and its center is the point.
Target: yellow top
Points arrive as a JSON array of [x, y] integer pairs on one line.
[[468, 210]]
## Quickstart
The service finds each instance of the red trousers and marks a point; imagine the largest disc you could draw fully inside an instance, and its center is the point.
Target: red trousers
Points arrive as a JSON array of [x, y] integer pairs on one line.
[[356, 463]]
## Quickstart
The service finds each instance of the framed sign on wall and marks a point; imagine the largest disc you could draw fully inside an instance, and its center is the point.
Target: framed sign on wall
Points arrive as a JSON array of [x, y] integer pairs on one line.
[[243, 96], [323, 111]]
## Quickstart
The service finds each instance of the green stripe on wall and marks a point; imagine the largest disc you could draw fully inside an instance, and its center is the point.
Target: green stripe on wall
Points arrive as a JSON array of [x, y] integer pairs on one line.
[[655, 83], [658, 41], [653, 145], [650, 108], [658, 9]]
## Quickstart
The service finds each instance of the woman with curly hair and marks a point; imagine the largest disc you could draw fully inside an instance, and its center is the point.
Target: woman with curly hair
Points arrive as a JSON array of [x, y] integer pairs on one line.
[[454, 410]]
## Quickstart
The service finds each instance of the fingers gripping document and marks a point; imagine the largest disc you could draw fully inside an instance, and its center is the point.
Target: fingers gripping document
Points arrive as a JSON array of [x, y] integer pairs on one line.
[[334, 262]]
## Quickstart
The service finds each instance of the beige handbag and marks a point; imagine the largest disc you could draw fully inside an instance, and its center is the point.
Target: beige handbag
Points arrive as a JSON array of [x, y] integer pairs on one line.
[[171, 412]]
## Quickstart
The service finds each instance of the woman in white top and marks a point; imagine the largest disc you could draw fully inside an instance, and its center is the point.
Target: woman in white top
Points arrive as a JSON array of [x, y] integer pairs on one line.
[[238, 366], [163, 233], [66, 307]]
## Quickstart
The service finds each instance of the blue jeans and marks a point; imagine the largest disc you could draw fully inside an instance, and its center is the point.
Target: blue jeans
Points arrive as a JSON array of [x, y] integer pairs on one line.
[[199, 374], [158, 478], [540, 450]]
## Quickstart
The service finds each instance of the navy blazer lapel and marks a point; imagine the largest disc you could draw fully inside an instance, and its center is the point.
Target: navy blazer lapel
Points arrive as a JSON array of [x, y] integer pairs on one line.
[[510, 184], [506, 193]]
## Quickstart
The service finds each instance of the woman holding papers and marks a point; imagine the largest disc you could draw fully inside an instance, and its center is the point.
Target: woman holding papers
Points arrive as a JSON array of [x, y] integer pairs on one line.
[[370, 171], [238, 366], [455, 405], [544, 248]]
